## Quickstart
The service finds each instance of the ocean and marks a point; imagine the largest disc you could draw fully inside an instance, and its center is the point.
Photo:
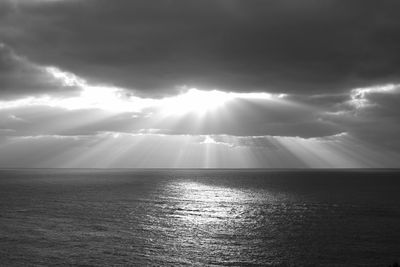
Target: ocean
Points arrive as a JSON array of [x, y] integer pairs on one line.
[[185, 217]]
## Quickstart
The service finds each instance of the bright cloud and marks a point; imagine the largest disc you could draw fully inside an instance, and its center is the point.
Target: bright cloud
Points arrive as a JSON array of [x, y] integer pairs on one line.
[[108, 126], [115, 99], [359, 96]]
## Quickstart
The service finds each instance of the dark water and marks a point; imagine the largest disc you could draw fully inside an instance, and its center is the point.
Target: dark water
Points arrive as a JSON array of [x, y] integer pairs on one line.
[[199, 217]]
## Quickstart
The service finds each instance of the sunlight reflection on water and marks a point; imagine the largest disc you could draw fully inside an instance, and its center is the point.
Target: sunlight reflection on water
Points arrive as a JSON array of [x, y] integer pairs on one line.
[[205, 204], [198, 218]]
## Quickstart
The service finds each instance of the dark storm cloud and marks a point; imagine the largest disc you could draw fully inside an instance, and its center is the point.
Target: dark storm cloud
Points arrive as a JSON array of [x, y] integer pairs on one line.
[[316, 51], [153, 46], [370, 114], [19, 77]]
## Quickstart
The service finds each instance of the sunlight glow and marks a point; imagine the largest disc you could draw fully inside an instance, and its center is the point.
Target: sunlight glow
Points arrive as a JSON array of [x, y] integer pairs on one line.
[[81, 124], [119, 100], [104, 98], [196, 101]]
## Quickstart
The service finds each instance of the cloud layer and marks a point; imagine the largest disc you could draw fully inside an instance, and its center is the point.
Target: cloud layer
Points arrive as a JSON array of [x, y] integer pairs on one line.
[[311, 83], [276, 46]]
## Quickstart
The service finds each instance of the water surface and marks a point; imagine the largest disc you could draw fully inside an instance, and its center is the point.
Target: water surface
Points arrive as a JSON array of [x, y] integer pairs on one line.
[[199, 217]]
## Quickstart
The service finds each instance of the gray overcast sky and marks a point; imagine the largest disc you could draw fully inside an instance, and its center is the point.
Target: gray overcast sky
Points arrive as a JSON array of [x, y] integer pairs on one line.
[[313, 56], [153, 46]]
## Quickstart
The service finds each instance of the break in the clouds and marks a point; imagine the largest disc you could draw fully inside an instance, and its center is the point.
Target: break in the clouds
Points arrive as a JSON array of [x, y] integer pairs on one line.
[[93, 83]]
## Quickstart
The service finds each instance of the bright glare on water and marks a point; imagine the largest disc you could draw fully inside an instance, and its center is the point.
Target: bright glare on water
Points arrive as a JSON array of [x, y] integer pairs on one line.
[[199, 217]]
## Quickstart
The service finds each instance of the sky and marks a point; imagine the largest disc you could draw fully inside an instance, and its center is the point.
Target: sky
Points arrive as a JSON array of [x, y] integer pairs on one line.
[[199, 84]]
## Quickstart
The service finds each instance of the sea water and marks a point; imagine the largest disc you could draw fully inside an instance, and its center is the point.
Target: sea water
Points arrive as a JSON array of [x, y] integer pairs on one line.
[[199, 217]]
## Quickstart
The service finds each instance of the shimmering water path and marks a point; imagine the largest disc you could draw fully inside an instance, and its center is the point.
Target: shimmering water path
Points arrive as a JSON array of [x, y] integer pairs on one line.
[[199, 217]]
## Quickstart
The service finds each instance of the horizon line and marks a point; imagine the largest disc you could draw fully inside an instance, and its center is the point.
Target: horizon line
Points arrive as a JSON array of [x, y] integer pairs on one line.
[[194, 168]]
